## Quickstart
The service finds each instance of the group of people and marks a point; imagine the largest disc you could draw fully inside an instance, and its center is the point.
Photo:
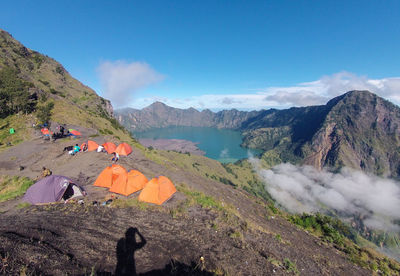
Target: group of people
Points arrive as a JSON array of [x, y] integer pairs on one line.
[[59, 134], [72, 150]]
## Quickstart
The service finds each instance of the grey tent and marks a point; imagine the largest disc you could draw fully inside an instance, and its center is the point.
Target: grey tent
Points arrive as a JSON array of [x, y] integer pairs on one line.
[[52, 188]]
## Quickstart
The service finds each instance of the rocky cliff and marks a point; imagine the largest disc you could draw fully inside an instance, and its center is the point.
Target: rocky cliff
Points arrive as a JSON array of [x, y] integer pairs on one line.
[[358, 130]]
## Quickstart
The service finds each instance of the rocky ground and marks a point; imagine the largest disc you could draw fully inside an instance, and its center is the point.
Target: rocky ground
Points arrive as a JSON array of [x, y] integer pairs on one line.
[[82, 239], [178, 145]]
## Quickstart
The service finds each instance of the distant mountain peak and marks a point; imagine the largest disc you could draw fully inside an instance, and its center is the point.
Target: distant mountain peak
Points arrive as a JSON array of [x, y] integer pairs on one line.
[[158, 103]]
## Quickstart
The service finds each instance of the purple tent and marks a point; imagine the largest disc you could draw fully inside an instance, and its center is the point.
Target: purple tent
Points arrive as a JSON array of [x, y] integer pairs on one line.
[[51, 189]]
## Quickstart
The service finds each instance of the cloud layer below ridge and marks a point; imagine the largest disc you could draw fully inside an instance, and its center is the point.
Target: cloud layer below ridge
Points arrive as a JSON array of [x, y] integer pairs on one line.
[[349, 193]]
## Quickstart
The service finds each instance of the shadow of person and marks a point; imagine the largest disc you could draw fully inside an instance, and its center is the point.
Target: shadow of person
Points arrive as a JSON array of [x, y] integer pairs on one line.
[[126, 248]]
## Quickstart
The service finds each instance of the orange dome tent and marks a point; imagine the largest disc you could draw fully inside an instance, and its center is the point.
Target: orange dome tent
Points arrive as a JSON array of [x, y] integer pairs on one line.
[[157, 190], [46, 131], [114, 174], [135, 182], [109, 147], [123, 149], [92, 145]]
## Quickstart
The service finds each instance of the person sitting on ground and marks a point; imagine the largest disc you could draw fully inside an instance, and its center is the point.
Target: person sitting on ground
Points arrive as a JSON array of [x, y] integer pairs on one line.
[[84, 147], [76, 149], [62, 129], [68, 148], [115, 157], [45, 172]]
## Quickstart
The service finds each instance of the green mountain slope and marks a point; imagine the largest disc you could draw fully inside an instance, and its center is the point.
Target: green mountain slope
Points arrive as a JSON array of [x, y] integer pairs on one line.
[[358, 130], [27, 74]]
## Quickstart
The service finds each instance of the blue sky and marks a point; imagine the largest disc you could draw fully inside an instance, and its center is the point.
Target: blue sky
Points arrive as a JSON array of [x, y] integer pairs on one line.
[[217, 54]]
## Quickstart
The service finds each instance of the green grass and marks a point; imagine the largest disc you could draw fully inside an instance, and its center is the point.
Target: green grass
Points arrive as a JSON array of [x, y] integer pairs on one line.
[[236, 235], [129, 202], [290, 266], [23, 205], [344, 237], [274, 262], [200, 198], [12, 187], [21, 124]]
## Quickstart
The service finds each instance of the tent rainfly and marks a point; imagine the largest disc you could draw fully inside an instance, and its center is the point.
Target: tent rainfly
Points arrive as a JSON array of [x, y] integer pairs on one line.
[[109, 147], [135, 182], [157, 191], [120, 181], [123, 149], [111, 175], [53, 188], [92, 145]]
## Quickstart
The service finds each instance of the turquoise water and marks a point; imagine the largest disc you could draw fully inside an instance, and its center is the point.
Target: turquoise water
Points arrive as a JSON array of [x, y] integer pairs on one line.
[[219, 144]]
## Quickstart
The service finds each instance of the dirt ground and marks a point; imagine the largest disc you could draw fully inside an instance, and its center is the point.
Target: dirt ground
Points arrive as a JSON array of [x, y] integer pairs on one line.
[[79, 239], [178, 145]]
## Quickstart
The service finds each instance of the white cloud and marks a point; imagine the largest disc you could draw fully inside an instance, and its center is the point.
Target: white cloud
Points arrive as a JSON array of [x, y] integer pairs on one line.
[[121, 80], [350, 193], [303, 94], [298, 98], [211, 101], [327, 87]]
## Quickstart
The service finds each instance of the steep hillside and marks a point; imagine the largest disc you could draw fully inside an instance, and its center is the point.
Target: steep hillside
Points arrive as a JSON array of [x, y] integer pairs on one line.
[[358, 130], [160, 115], [28, 76], [361, 131]]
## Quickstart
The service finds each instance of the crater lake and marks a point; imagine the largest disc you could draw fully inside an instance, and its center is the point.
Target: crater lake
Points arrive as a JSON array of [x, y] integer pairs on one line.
[[219, 144]]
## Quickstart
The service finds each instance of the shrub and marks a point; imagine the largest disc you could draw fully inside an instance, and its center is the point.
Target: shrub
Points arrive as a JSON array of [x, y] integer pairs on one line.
[[55, 92], [44, 112], [14, 94], [290, 266], [44, 82], [60, 70]]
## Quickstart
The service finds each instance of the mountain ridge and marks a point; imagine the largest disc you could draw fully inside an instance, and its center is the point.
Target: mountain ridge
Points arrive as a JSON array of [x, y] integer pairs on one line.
[[159, 115], [322, 136]]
